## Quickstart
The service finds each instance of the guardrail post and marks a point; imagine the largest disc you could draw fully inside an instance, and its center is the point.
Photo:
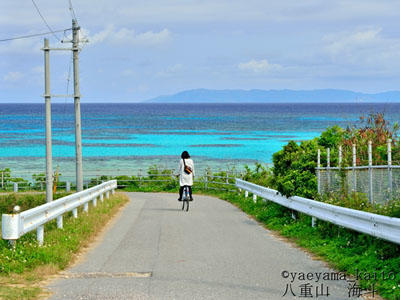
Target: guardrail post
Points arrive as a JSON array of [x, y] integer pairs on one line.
[[240, 191], [68, 187], [370, 196], [206, 182], [87, 185], [313, 221], [354, 168], [75, 213], [95, 201], [246, 194], [86, 207], [101, 197], [112, 191], [340, 156], [15, 187], [107, 194], [41, 186], [254, 198], [2, 179], [40, 234], [60, 222], [389, 154]]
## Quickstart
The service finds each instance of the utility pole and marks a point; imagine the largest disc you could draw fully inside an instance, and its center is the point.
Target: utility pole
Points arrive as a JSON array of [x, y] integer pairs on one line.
[[47, 97], [77, 104]]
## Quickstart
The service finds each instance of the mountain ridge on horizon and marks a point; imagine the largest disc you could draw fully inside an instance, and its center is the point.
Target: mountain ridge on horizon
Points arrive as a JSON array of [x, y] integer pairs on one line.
[[271, 96]]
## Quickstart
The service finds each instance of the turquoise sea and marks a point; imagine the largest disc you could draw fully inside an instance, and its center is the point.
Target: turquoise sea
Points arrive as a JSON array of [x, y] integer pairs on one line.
[[123, 138]]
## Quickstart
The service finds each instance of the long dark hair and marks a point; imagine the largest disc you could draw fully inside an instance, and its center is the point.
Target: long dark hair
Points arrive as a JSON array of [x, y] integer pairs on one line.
[[185, 155]]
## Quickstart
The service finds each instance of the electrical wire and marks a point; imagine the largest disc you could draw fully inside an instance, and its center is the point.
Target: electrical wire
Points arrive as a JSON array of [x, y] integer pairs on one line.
[[33, 35], [44, 20], [72, 11]]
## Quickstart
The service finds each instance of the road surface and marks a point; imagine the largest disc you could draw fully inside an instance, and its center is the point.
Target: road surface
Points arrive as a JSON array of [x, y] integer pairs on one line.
[[156, 251]]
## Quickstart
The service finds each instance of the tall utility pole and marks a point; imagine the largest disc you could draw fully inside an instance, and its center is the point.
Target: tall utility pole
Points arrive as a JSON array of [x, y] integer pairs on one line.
[[47, 97], [77, 104]]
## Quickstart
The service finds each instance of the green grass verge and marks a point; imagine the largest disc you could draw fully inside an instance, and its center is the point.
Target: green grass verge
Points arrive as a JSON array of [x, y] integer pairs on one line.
[[23, 267], [345, 250]]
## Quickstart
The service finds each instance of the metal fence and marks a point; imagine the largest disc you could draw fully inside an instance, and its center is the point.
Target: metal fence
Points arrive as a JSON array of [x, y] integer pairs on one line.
[[380, 183], [383, 227], [13, 226], [23, 181]]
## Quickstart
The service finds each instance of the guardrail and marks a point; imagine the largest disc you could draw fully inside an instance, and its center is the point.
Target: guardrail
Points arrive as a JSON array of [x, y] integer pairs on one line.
[[13, 226], [379, 226]]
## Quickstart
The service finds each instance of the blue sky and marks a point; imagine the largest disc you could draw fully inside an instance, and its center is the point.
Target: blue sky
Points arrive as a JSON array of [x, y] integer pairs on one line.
[[143, 49]]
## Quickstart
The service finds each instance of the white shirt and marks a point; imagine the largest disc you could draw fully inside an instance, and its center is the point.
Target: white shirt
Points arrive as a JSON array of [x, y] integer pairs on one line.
[[186, 179]]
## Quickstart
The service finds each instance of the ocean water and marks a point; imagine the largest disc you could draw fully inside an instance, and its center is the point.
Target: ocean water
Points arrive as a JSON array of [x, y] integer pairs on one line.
[[125, 137]]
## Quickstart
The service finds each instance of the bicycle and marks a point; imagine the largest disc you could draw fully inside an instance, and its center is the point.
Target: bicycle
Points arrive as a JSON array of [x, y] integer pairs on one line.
[[185, 198]]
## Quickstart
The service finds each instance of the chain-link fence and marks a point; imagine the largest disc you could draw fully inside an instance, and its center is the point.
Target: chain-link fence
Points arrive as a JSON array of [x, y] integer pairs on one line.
[[381, 181]]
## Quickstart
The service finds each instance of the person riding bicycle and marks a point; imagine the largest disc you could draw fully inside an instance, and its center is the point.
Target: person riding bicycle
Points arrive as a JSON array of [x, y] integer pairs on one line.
[[186, 174]]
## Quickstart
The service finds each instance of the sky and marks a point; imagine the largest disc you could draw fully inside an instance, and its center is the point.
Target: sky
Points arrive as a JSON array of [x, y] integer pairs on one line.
[[138, 50]]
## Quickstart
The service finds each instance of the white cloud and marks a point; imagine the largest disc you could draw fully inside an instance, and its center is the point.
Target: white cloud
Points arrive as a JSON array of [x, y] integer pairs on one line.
[[38, 70], [21, 46], [259, 66], [337, 43], [364, 48], [170, 71], [13, 76], [129, 36]]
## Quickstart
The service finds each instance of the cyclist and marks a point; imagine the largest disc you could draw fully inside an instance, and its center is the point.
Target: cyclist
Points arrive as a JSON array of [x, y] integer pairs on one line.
[[186, 174]]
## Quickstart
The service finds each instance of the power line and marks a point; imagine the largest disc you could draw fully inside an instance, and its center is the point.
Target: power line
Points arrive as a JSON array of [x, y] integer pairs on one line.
[[44, 20], [33, 35], [71, 9]]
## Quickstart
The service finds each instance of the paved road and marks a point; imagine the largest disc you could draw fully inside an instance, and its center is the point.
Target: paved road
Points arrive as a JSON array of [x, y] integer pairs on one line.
[[214, 251]]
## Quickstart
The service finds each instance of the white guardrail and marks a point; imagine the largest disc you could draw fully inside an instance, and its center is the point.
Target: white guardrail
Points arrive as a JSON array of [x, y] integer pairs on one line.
[[13, 226], [379, 226]]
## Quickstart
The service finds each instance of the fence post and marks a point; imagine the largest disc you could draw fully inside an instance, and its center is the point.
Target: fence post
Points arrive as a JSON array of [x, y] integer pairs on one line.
[[15, 187], [318, 170], [389, 154], [254, 198], [340, 156], [94, 202], [75, 213], [68, 187], [86, 207], [354, 168], [2, 179], [41, 186], [370, 196], [328, 166], [101, 197], [205, 182], [313, 219], [246, 193]]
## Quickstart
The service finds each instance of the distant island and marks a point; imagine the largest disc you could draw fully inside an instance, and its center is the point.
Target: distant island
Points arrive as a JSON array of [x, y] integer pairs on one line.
[[270, 96]]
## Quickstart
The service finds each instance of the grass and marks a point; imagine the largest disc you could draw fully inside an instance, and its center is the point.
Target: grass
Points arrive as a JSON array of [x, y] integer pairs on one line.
[[345, 250], [22, 268]]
